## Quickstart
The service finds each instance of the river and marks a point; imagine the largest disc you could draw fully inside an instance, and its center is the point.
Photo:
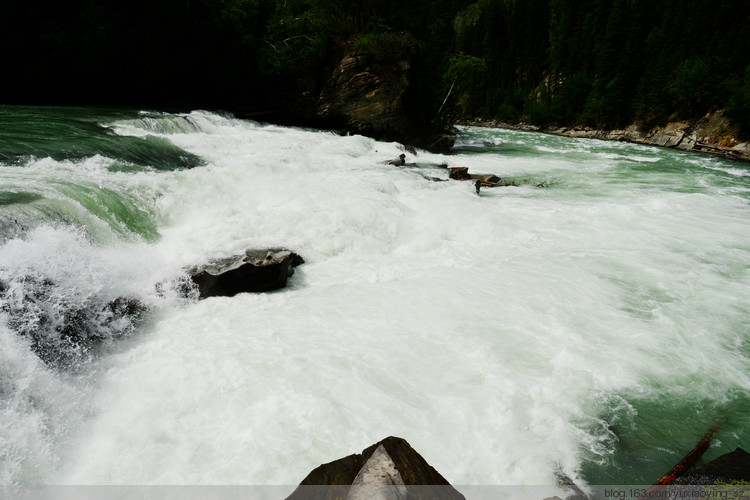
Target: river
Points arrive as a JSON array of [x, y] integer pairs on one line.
[[592, 320]]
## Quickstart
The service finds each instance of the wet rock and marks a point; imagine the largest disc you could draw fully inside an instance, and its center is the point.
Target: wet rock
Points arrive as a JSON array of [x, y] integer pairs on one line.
[[480, 180], [390, 469], [409, 149], [378, 479], [255, 271], [460, 174], [63, 324], [398, 162], [666, 139], [125, 306], [487, 179], [438, 143], [734, 466]]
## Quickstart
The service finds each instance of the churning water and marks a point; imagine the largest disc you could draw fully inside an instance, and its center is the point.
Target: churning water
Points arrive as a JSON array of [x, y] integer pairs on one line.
[[592, 320]]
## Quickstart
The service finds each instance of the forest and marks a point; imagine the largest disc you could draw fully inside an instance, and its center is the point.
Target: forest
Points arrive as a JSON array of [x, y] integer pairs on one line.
[[599, 63]]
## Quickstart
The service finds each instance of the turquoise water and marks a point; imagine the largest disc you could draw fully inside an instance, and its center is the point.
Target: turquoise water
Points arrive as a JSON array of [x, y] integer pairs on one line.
[[595, 326]]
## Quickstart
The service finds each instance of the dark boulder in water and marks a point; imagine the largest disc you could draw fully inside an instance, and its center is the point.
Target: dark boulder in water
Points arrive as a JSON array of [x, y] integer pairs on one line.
[[389, 469], [255, 271]]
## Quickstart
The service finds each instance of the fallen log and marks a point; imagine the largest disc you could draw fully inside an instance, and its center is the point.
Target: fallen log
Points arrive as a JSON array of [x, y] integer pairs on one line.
[[689, 459]]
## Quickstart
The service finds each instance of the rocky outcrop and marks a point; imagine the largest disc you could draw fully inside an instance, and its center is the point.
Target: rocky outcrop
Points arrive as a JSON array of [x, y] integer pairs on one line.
[[710, 134], [734, 466], [390, 469], [255, 271], [364, 95], [366, 98]]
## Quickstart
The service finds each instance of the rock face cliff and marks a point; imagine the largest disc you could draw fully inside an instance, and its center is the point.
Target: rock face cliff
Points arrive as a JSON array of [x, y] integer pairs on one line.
[[364, 95]]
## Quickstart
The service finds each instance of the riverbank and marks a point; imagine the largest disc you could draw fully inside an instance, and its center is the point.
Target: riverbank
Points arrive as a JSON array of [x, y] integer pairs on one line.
[[710, 134]]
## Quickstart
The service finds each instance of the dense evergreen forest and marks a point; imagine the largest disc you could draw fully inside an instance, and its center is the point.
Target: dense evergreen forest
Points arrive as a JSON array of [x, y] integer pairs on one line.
[[602, 63]]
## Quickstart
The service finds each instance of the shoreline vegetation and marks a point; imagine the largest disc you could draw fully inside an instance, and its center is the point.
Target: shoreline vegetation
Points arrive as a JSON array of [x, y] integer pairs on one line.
[[574, 67]]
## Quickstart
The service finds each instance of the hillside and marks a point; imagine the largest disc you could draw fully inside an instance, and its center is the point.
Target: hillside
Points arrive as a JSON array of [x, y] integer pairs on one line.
[[595, 63]]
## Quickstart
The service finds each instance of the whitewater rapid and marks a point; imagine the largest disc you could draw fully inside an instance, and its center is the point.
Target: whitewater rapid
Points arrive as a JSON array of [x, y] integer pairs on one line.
[[596, 326]]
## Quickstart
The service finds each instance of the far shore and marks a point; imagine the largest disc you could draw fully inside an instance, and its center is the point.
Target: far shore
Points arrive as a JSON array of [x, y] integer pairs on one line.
[[707, 135]]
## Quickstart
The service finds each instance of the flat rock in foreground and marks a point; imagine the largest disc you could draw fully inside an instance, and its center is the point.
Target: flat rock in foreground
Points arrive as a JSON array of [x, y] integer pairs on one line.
[[388, 470]]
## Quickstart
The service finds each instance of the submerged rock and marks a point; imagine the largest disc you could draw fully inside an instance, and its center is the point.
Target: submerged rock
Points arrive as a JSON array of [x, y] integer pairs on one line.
[[390, 469], [255, 271], [64, 324], [125, 306]]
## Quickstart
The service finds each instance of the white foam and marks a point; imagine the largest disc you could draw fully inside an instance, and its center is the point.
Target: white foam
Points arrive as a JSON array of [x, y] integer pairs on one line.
[[39, 412], [489, 331]]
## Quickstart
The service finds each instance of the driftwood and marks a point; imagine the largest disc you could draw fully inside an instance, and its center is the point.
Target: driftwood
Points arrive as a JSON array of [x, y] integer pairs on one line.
[[462, 174], [485, 180], [689, 459]]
